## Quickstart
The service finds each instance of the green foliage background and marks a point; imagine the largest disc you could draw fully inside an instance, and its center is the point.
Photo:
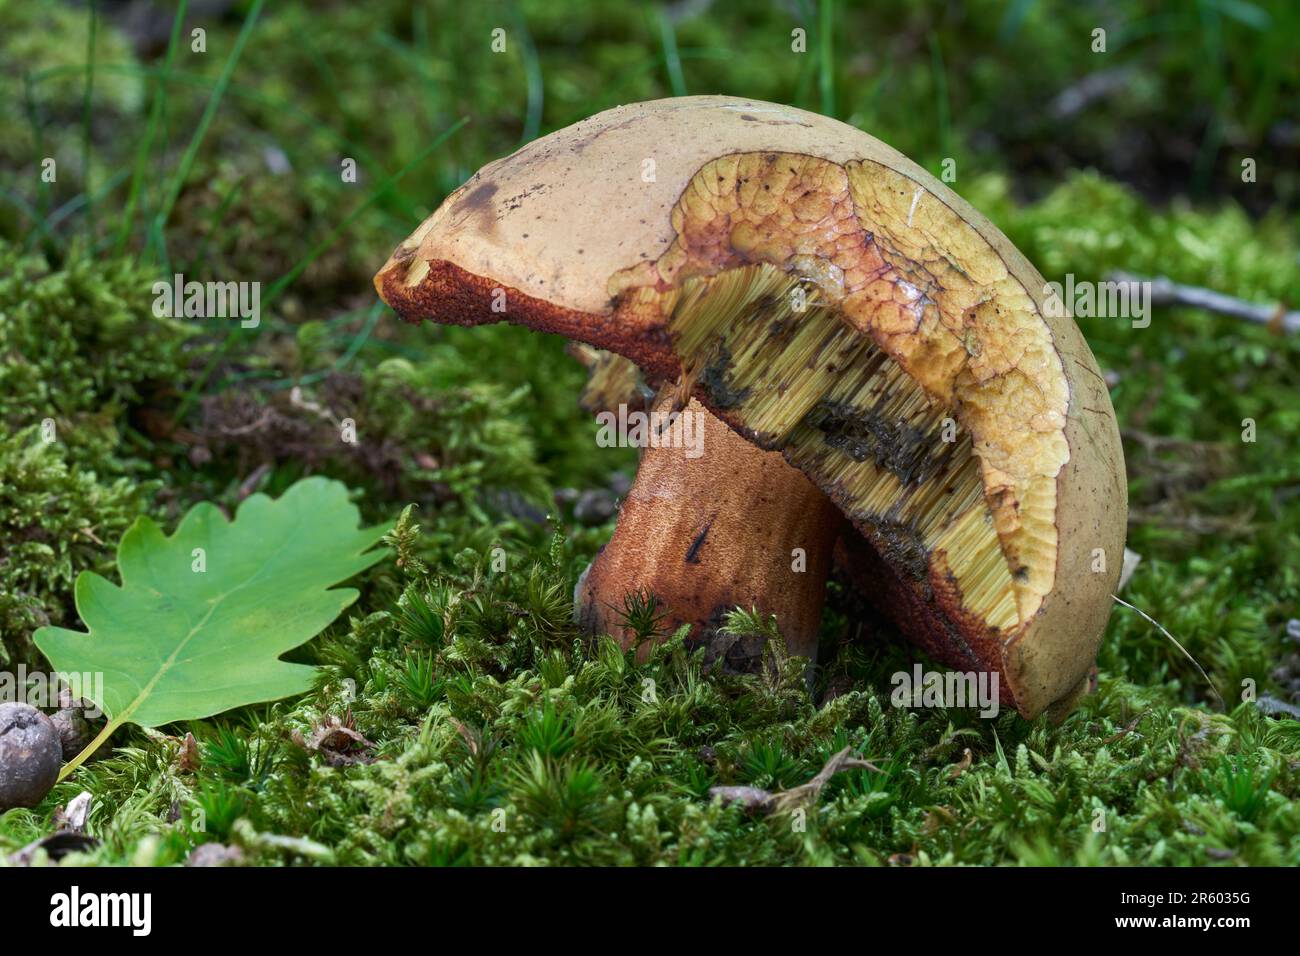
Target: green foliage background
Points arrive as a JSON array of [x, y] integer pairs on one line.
[[480, 700]]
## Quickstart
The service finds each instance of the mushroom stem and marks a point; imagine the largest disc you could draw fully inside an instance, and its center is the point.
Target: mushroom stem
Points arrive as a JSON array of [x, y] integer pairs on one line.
[[709, 527]]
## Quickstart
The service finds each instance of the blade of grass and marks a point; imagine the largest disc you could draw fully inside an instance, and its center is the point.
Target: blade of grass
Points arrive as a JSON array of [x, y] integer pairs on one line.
[[1208, 152], [808, 65], [40, 222], [826, 55], [38, 138], [533, 72], [214, 101], [941, 95], [89, 201], [672, 60], [86, 97], [44, 224], [155, 117], [355, 346]]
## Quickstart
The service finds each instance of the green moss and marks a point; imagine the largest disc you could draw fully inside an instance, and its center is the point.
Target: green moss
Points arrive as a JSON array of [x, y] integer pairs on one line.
[[82, 357], [472, 427], [474, 430], [56, 520], [81, 346]]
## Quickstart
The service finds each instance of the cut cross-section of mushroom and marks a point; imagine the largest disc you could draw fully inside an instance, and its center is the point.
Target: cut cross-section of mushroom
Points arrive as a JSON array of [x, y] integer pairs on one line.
[[829, 300]]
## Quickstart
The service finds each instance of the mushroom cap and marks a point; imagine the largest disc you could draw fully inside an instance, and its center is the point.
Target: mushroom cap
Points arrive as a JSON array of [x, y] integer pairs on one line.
[[827, 297]]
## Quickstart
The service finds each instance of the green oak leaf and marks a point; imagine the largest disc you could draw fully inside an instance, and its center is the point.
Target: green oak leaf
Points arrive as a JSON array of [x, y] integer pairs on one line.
[[193, 633]]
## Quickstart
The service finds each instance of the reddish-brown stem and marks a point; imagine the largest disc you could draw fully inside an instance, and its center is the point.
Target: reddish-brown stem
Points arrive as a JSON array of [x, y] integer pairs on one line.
[[725, 525]]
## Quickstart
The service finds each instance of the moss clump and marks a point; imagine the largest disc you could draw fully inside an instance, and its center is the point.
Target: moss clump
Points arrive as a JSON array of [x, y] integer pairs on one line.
[[81, 346], [56, 520], [402, 429], [476, 423], [81, 356]]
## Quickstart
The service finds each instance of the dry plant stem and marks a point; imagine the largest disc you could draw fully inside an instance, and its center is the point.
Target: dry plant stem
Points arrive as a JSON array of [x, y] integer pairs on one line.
[[734, 527], [1166, 292], [805, 795], [100, 739]]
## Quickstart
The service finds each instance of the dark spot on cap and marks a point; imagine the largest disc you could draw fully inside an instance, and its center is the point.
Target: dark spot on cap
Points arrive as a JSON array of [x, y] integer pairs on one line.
[[477, 200]]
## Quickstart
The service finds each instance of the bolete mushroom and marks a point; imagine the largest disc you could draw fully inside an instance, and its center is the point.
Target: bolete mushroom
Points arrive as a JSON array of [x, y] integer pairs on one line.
[[858, 341]]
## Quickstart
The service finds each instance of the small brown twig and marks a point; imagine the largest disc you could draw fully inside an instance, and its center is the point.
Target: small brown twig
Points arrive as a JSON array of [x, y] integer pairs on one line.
[[251, 483], [1126, 730]]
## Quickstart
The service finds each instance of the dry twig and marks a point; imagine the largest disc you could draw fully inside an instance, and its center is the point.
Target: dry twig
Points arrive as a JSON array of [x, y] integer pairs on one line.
[[757, 800], [1166, 292]]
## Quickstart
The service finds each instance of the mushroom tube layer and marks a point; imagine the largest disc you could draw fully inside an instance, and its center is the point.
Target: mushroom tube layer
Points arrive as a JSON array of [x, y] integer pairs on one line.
[[846, 414], [824, 297]]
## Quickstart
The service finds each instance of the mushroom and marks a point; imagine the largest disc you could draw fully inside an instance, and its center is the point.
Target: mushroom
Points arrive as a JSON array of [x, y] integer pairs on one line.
[[862, 350]]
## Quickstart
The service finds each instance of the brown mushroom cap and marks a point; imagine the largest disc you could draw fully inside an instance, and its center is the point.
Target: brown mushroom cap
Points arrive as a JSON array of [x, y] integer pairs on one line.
[[826, 297]]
